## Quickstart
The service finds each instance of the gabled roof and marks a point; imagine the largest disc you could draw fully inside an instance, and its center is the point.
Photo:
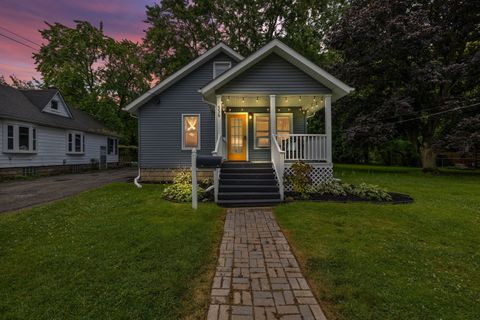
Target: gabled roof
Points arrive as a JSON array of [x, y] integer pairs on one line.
[[169, 81], [339, 89], [27, 105]]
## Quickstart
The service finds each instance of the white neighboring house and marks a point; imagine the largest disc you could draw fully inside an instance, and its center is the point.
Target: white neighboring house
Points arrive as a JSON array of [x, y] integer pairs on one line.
[[41, 134]]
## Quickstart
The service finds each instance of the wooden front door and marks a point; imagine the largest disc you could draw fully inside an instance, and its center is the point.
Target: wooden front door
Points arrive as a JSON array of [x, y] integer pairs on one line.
[[237, 137]]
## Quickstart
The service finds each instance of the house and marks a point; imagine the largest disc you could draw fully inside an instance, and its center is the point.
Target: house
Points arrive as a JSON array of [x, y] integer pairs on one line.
[[40, 134], [252, 112]]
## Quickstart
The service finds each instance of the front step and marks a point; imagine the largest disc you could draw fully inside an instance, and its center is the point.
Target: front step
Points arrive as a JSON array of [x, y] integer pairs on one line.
[[247, 184]]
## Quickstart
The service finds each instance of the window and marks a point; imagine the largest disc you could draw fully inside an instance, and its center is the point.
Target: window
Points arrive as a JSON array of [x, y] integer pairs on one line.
[[190, 131], [54, 104], [220, 67], [284, 124], [20, 139], [262, 130], [112, 146], [75, 143]]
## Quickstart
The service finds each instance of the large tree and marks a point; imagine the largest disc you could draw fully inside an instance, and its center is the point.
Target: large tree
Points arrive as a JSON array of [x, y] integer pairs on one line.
[[94, 72], [408, 61], [181, 30]]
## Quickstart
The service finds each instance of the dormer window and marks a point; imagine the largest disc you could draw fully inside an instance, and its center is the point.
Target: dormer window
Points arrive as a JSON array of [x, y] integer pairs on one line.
[[220, 67], [54, 105]]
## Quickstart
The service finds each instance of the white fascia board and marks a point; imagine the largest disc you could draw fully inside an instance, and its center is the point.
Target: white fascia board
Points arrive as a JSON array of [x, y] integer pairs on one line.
[[338, 88], [135, 104]]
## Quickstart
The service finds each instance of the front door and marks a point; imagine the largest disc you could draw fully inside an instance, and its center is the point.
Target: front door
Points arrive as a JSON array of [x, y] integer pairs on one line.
[[237, 137]]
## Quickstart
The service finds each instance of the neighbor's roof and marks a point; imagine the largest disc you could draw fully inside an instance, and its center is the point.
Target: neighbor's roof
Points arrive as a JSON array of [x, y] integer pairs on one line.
[[165, 84], [339, 89], [27, 105]]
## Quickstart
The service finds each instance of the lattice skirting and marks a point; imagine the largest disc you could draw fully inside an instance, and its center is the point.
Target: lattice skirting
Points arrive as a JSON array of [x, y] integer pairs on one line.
[[318, 175]]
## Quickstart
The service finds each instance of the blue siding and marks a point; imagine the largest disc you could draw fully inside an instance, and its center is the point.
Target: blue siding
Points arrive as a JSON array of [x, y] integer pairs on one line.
[[274, 75], [299, 126], [160, 120]]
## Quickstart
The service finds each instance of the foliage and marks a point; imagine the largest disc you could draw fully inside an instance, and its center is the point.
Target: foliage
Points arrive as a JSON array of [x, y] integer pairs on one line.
[[363, 190], [361, 256], [94, 72], [21, 84], [299, 178], [181, 189], [180, 31], [407, 60]]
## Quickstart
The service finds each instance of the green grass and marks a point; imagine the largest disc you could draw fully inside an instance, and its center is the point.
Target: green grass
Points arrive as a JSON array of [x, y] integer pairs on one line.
[[117, 252], [415, 261]]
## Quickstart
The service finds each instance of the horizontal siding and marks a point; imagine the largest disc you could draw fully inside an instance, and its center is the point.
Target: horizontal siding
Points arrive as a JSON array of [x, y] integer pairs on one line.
[[52, 148], [274, 75], [160, 120], [299, 126]]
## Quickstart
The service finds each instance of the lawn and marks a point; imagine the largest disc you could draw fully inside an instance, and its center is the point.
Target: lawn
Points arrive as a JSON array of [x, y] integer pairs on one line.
[[415, 261], [117, 252]]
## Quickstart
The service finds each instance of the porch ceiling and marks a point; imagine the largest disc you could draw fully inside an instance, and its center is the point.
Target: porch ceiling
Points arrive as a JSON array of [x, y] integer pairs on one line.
[[309, 103]]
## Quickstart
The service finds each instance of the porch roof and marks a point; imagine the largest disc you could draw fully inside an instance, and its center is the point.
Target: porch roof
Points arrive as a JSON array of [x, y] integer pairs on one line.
[[337, 87]]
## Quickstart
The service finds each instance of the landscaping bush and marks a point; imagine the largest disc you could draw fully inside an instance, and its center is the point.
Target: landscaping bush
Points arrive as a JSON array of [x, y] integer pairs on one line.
[[300, 179], [181, 189], [363, 190]]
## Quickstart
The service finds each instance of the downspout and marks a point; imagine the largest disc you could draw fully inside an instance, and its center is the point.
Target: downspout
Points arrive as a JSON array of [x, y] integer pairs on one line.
[[137, 178]]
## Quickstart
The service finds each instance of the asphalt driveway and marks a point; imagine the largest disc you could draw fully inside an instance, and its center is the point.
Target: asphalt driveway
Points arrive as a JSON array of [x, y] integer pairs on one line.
[[21, 194]]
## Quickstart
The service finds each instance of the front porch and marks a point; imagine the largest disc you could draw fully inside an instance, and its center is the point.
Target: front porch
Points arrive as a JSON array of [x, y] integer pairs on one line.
[[274, 129]]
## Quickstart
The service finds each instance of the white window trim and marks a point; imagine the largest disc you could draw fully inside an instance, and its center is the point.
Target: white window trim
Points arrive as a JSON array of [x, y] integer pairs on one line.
[[114, 147], [199, 130], [255, 146], [16, 139], [220, 62], [82, 144]]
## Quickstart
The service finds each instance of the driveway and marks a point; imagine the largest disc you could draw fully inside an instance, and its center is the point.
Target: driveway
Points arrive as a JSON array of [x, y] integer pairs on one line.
[[20, 194]]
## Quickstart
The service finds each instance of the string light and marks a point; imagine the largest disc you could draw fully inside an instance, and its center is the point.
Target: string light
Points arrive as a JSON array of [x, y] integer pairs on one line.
[[314, 98], [243, 99], [286, 99], [300, 98], [228, 98], [257, 99]]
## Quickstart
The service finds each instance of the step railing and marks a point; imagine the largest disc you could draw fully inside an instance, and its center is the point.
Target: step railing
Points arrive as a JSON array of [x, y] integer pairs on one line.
[[219, 151], [306, 147], [278, 160]]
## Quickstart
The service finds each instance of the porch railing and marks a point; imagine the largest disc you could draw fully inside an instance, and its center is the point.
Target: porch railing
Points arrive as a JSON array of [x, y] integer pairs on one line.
[[307, 147], [219, 151], [278, 160]]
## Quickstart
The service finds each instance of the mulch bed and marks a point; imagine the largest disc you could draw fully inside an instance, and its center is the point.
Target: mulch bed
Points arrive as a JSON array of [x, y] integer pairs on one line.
[[397, 198]]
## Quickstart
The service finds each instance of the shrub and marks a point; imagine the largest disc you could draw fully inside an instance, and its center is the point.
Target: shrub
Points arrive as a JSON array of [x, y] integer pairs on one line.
[[334, 188], [181, 189], [370, 191], [181, 192], [300, 179]]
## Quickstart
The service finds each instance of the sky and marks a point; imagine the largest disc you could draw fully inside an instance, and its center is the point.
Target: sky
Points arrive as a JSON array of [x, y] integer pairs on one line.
[[122, 19]]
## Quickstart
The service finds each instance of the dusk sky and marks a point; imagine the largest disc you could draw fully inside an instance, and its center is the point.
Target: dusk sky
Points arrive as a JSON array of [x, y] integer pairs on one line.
[[122, 19]]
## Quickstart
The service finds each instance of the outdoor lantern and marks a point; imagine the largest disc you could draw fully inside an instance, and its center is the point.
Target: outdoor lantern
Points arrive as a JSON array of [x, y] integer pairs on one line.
[[250, 116]]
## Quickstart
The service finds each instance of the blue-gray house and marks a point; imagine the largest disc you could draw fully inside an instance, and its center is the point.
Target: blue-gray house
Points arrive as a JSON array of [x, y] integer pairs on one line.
[[251, 111]]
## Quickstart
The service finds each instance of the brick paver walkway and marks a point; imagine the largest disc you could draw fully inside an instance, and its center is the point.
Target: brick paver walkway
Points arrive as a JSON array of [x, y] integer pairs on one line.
[[257, 276]]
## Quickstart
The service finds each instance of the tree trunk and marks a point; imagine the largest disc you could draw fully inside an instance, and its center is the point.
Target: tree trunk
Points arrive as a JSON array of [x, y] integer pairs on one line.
[[428, 157]]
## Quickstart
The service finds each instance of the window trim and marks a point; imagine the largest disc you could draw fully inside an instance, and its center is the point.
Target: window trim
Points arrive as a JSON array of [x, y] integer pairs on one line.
[[114, 146], [82, 143], [255, 146], [290, 115], [199, 130], [220, 62], [32, 142]]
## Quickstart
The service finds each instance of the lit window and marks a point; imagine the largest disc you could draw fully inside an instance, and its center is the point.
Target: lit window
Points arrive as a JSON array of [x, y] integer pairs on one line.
[[220, 67], [20, 138], [262, 131], [190, 131], [75, 143], [284, 124]]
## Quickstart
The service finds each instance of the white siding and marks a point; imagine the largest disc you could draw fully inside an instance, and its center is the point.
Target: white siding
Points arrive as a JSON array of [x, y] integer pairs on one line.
[[62, 108], [52, 149]]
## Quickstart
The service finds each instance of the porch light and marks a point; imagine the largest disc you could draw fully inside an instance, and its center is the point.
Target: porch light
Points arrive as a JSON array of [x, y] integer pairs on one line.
[[278, 110], [250, 116], [268, 109]]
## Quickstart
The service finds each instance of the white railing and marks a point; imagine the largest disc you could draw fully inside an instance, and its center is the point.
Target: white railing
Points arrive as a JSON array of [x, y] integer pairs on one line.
[[219, 151], [278, 160], [307, 147]]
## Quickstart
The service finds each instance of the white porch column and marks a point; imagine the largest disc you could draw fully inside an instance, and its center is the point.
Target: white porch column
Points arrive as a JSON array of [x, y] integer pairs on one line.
[[328, 126], [273, 120], [218, 117]]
